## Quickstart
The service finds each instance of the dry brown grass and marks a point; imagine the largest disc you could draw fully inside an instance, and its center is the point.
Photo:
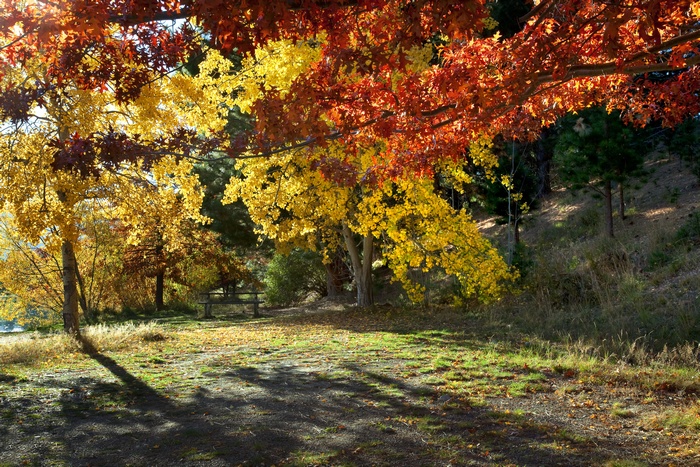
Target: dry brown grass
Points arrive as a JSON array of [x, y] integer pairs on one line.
[[34, 347]]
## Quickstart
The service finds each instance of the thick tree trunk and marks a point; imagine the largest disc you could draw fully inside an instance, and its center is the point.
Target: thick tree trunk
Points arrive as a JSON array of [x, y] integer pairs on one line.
[[608, 209], [361, 266], [207, 311], [365, 294], [70, 312], [71, 318], [622, 201], [160, 286]]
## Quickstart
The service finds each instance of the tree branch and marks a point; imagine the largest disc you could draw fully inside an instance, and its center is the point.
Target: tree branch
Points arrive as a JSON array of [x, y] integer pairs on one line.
[[611, 68]]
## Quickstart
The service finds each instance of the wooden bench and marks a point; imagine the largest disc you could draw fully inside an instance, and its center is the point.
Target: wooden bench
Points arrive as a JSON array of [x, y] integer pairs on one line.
[[209, 299]]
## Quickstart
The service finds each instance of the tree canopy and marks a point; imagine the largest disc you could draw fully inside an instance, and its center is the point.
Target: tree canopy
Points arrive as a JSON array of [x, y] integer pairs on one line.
[[566, 55], [405, 89]]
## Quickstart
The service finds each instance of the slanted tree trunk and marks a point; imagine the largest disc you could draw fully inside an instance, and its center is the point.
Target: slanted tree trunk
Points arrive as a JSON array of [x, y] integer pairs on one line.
[[361, 266], [71, 318], [88, 313], [608, 209]]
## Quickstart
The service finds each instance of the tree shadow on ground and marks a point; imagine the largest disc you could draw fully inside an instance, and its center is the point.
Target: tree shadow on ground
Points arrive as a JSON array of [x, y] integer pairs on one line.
[[311, 411]]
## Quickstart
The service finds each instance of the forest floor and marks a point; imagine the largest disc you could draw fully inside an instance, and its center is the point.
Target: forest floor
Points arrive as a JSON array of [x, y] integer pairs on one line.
[[327, 384]]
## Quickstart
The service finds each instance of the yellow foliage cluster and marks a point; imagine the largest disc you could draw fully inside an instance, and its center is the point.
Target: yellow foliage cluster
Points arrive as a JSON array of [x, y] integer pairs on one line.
[[291, 204], [424, 232], [294, 205], [170, 196], [47, 208], [274, 66]]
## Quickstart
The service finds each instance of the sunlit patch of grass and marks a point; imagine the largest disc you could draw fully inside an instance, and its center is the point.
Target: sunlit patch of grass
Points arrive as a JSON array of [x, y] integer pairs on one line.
[[518, 389], [500, 374], [193, 454], [431, 424], [625, 463], [508, 415], [442, 363], [30, 348], [534, 377], [456, 376], [566, 435], [433, 380], [619, 410], [392, 391], [310, 458], [682, 418]]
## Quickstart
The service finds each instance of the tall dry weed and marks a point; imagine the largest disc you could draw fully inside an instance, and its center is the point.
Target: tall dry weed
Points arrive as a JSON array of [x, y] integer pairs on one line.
[[34, 347]]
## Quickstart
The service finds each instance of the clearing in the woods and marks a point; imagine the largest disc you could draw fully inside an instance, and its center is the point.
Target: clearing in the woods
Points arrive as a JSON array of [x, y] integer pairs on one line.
[[328, 384]]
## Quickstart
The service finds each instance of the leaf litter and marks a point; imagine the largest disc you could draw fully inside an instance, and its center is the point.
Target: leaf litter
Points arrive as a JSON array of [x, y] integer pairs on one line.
[[333, 385]]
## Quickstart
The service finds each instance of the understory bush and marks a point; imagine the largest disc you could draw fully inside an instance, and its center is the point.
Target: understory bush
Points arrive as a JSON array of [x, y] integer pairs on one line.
[[599, 293], [291, 278]]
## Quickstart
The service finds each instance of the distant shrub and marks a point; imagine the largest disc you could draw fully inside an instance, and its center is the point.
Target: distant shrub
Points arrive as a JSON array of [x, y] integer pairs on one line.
[[691, 229], [659, 257], [291, 278], [523, 259]]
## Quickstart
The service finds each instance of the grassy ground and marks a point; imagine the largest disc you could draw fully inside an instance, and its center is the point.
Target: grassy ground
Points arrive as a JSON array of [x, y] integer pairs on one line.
[[332, 385]]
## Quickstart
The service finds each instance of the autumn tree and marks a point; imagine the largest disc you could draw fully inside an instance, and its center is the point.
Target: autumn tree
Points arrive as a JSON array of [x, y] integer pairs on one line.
[[184, 262], [50, 169], [33, 273], [361, 88], [295, 206], [329, 197]]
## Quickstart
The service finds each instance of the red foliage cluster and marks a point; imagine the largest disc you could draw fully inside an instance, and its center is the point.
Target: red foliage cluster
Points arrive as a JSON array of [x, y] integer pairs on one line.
[[16, 102], [569, 54], [88, 155]]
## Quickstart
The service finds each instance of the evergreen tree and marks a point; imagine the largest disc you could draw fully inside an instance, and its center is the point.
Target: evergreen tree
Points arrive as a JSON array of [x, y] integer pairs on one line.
[[231, 221], [595, 149]]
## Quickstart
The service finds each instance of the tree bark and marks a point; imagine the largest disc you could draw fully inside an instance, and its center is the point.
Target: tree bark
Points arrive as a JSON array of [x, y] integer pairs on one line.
[[361, 266], [160, 286], [608, 209], [70, 312], [160, 276], [207, 311], [71, 318], [82, 300], [334, 285]]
